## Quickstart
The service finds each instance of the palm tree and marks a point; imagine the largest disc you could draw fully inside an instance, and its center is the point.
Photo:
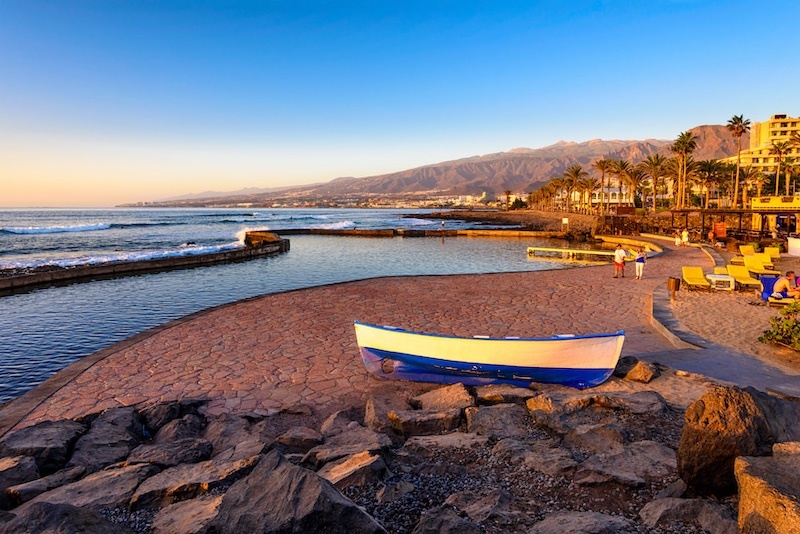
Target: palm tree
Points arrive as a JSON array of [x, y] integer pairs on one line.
[[557, 185], [708, 171], [654, 166], [635, 178], [779, 148], [738, 126], [507, 193], [572, 176], [684, 145], [588, 185], [620, 169], [750, 177], [603, 165], [790, 165]]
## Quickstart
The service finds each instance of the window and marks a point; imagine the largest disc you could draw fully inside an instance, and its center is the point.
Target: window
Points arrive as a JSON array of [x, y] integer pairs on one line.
[[755, 160]]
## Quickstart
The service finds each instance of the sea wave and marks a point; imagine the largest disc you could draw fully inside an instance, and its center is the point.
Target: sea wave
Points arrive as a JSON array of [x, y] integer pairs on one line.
[[419, 222], [187, 249], [55, 229], [337, 226]]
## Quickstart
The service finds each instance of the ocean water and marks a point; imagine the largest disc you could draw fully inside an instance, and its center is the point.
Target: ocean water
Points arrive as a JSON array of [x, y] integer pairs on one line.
[[46, 329]]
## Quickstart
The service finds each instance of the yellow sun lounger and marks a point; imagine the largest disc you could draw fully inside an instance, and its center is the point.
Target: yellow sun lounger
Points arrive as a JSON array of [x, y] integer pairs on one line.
[[694, 277], [774, 252], [765, 259], [744, 250], [755, 266], [742, 277]]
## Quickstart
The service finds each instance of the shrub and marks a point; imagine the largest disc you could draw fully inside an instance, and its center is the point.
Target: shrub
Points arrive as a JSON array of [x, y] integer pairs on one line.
[[785, 327]]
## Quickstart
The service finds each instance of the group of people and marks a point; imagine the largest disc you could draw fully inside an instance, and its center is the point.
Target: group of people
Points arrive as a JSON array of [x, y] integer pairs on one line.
[[682, 238], [619, 262], [786, 286]]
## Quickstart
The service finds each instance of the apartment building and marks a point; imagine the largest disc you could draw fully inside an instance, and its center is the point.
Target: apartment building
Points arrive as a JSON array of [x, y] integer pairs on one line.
[[779, 128]]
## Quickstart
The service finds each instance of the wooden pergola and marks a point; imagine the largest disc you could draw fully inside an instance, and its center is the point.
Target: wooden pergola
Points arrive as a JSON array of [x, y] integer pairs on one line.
[[707, 216]]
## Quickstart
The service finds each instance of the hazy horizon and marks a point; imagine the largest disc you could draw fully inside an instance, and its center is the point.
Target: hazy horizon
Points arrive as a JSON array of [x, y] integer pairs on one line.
[[111, 103]]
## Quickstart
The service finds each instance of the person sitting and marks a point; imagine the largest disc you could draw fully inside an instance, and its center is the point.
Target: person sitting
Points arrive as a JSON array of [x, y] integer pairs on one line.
[[786, 286]]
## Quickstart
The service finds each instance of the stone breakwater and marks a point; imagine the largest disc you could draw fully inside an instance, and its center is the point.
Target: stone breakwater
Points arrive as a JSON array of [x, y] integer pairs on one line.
[[617, 458], [256, 246]]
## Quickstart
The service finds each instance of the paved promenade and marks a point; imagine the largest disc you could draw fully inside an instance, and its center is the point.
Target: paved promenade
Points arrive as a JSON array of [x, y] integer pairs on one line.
[[299, 347]]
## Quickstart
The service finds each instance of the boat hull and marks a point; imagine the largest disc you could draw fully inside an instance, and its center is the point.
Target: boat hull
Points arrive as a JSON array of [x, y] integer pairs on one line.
[[576, 361]]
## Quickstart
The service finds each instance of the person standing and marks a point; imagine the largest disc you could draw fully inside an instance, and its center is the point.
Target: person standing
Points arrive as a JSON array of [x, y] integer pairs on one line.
[[641, 259], [619, 262], [685, 237]]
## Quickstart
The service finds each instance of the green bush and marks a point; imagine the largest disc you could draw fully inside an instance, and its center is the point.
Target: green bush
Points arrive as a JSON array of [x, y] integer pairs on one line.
[[785, 327]]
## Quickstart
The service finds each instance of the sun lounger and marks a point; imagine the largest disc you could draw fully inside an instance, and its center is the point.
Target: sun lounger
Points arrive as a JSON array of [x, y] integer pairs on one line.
[[774, 252], [720, 270], [770, 297], [744, 250], [765, 259], [695, 278], [742, 277], [753, 265]]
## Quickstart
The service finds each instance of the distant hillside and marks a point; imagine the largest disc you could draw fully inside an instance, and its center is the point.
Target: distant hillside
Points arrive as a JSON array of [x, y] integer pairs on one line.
[[518, 170]]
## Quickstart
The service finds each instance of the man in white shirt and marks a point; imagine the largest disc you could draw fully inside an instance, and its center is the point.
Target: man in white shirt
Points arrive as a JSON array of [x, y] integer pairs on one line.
[[619, 262]]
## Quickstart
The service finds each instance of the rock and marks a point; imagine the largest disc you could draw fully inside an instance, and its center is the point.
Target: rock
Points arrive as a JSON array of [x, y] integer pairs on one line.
[[187, 427], [481, 507], [281, 497], [336, 423], [15, 470], [184, 451], [188, 481], [298, 439], [356, 470], [59, 518], [424, 422], [674, 489], [454, 397], [596, 438], [728, 422], [424, 445], [633, 466], [393, 492], [25, 492], [376, 416], [624, 366], [109, 440], [668, 512], [445, 520], [791, 448], [543, 456], [638, 402], [499, 420], [48, 442], [225, 431], [769, 493], [188, 517], [502, 394], [347, 443], [643, 372], [242, 450], [582, 523], [158, 415], [110, 487]]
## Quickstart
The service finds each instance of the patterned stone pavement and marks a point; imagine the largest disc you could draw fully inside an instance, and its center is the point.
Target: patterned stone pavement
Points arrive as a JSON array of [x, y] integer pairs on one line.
[[299, 347]]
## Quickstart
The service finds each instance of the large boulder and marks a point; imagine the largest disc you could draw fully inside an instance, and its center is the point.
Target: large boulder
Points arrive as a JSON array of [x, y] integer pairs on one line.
[[728, 422], [582, 523], [186, 427], [356, 470], [769, 493], [25, 492], [347, 443], [48, 442], [502, 393], [544, 456], [187, 517], [499, 420], [15, 470], [376, 415], [454, 397], [61, 519], [636, 464], [184, 451], [424, 422], [281, 497], [107, 488], [445, 519], [109, 440], [188, 481], [709, 515]]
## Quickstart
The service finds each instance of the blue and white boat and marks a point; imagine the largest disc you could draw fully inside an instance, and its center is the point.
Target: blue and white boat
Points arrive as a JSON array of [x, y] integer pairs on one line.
[[580, 361]]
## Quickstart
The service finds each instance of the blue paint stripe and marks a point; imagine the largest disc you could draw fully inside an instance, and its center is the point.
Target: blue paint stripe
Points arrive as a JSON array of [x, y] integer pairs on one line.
[[425, 369]]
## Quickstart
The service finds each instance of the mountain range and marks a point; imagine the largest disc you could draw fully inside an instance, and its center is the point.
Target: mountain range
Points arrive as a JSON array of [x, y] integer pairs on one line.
[[519, 170]]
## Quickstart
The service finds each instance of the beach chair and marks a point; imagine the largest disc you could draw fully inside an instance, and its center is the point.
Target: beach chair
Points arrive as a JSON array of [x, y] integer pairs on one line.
[[694, 277], [769, 296], [744, 250], [755, 266], [742, 277], [765, 259], [720, 270], [774, 252]]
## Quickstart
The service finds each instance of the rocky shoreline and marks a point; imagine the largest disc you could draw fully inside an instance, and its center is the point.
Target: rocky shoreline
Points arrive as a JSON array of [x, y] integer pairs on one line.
[[632, 456]]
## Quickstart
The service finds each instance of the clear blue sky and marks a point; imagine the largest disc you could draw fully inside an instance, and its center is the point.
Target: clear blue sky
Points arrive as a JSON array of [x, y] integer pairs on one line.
[[111, 101]]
